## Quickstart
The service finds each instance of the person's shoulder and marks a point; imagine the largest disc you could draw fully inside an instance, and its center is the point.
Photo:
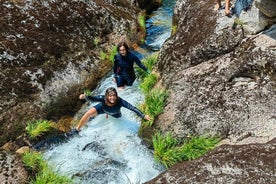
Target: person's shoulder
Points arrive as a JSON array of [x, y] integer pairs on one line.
[[118, 55]]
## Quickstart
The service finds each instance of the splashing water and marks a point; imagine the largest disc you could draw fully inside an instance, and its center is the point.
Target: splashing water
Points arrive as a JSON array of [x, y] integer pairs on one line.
[[108, 150]]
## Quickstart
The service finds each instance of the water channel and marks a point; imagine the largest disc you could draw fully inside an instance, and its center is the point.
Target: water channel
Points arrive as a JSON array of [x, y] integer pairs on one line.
[[108, 150]]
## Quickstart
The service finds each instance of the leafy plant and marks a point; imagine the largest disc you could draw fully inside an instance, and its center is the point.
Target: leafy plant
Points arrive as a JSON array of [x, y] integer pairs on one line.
[[155, 101], [102, 55], [149, 62], [96, 41], [168, 151], [34, 161], [45, 174], [112, 53], [37, 128], [48, 176], [174, 28], [148, 83], [141, 21], [87, 92]]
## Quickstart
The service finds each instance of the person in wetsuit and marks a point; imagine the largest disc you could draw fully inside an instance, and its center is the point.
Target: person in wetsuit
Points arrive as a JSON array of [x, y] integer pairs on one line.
[[110, 104], [123, 69]]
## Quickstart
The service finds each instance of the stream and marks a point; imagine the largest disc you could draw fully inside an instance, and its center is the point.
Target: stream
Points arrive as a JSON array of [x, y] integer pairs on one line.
[[108, 150]]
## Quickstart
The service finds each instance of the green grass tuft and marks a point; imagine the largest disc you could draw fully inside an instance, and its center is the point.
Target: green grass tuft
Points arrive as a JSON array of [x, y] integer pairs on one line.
[[37, 128], [148, 83], [155, 101], [45, 174], [149, 62], [168, 151]]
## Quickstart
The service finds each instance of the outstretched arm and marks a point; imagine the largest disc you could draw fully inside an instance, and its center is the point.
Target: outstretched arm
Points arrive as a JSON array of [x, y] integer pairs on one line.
[[139, 63], [99, 98], [134, 109]]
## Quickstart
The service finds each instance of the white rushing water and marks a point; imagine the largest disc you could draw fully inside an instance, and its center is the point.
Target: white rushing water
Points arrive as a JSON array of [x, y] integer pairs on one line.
[[108, 150]]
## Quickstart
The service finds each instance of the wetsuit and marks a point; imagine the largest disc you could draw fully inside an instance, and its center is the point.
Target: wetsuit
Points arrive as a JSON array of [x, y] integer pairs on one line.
[[124, 70], [115, 110]]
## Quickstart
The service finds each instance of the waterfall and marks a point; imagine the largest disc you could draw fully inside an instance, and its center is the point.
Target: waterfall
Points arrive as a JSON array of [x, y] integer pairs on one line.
[[108, 150]]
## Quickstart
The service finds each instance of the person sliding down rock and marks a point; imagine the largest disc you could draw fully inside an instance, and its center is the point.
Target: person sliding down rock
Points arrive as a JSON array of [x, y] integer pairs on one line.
[[110, 104]]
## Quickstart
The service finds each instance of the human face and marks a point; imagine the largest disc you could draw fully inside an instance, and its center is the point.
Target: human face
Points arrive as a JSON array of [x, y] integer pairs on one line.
[[122, 50], [112, 97]]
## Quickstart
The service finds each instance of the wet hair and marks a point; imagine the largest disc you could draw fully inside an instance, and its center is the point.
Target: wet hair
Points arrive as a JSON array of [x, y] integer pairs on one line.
[[108, 91], [122, 44]]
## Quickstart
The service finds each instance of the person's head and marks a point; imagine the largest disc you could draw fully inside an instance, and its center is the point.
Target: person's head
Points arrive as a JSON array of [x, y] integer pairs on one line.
[[122, 48], [111, 96]]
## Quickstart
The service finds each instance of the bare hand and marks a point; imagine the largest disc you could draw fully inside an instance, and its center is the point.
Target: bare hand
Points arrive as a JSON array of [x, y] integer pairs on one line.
[[147, 117], [82, 96]]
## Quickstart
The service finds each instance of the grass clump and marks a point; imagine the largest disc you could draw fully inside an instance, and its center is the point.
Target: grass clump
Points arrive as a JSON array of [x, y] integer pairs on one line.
[[155, 101], [149, 62], [148, 83], [45, 174], [153, 105], [87, 92], [169, 151], [38, 128], [34, 161], [141, 21], [112, 53], [109, 55]]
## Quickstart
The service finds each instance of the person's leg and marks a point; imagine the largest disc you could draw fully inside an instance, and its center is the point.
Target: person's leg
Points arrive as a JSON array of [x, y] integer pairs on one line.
[[120, 82], [218, 5], [130, 81], [227, 7], [90, 113]]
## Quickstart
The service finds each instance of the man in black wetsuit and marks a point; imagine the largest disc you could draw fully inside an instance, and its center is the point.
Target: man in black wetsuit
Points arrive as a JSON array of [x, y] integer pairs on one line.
[[110, 104], [123, 66]]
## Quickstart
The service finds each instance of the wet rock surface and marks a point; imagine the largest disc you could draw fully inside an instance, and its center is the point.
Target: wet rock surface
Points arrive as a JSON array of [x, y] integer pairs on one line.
[[50, 52], [12, 169], [252, 163], [222, 82]]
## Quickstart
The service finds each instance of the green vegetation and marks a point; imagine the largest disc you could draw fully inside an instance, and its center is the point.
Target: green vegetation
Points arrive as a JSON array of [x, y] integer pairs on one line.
[[149, 62], [96, 41], [45, 174], [239, 21], [102, 55], [110, 55], [168, 151], [174, 28], [87, 92], [148, 83], [141, 21], [34, 161], [155, 101], [38, 128]]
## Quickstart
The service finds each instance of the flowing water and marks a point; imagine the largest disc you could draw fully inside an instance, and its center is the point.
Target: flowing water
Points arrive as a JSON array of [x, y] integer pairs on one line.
[[108, 150]]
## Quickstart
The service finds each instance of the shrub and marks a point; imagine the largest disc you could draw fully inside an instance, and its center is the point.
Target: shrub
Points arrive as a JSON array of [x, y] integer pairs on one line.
[[37, 128], [168, 151]]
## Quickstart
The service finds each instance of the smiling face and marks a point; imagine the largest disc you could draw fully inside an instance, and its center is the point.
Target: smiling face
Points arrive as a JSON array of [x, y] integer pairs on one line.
[[111, 96]]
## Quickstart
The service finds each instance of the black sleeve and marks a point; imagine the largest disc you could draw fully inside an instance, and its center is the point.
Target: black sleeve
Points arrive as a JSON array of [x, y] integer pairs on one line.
[[132, 108], [138, 62], [115, 64], [99, 98]]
